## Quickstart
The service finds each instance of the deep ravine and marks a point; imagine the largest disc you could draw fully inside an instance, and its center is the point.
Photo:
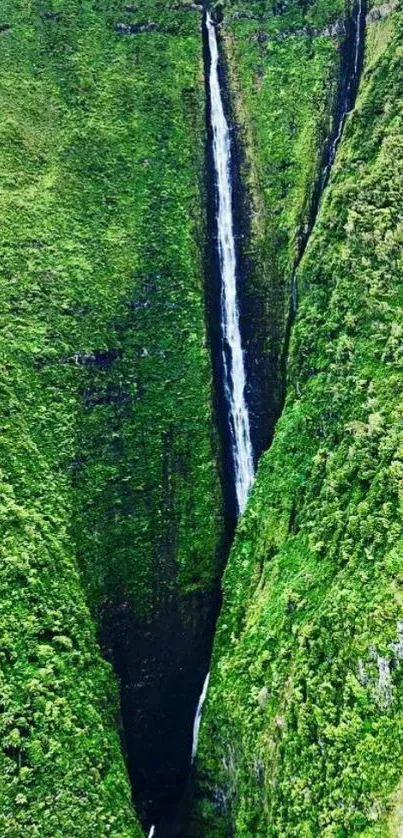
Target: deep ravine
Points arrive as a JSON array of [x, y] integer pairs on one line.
[[232, 379]]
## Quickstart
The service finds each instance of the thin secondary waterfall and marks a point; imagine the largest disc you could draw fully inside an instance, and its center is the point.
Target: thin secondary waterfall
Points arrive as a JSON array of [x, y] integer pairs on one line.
[[198, 716], [232, 354], [358, 36], [347, 102], [349, 94]]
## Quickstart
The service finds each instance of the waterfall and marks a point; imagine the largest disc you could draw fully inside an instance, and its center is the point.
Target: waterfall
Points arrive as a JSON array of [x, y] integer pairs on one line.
[[198, 717], [234, 378], [358, 35], [151, 832], [348, 97], [232, 354]]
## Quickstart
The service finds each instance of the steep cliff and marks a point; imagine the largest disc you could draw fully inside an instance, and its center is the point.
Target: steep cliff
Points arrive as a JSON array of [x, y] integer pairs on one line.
[[286, 67], [109, 456], [302, 733]]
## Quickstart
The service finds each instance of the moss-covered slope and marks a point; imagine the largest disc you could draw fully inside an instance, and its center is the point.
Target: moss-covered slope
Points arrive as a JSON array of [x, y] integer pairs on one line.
[[302, 733], [107, 448]]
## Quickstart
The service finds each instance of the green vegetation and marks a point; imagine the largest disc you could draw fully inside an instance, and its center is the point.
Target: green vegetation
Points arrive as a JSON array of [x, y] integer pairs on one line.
[[109, 478], [302, 732], [149, 507], [284, 64], [107, 454]]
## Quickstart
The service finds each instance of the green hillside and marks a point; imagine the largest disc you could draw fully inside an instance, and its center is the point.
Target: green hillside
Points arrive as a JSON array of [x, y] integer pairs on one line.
[[108, 453], [303, 726]]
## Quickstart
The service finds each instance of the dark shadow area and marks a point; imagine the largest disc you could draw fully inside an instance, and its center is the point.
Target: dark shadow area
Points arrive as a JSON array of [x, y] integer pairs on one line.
[[161, 669]]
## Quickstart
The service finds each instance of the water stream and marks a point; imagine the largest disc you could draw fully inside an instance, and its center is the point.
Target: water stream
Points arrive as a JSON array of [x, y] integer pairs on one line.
[[347, 95], [198, 717], [234, 379], [349, 88]]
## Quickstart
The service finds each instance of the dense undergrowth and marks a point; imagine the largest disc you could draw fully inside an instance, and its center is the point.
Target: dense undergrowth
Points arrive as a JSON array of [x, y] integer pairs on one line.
[[303, 725], [108, 458]]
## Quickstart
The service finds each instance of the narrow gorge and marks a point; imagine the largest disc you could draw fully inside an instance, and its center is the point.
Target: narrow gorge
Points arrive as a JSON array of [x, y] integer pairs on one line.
[[201, 428]]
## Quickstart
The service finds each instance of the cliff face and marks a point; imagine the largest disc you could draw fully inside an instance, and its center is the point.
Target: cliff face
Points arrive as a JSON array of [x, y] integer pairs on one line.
[[108, 454], [302, 733], [285, 64]]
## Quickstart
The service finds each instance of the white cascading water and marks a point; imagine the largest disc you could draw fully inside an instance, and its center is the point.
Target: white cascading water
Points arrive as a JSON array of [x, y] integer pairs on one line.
[[198, 717], [233, 360], [232, 355], [151, 832]]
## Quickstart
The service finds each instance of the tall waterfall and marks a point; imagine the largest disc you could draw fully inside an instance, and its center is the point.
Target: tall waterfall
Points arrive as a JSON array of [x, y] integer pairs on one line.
[[232, 354]]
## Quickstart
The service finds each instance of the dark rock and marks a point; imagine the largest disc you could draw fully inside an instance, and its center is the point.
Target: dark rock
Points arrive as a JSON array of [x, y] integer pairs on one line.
[[187, 7], [245, 16], [135, 28], [52, 15], [335, 30], [103, 358]]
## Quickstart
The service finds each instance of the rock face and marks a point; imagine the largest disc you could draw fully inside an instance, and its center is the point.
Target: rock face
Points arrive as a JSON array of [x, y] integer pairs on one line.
[[312, 592], [382, 11], [135, 28]]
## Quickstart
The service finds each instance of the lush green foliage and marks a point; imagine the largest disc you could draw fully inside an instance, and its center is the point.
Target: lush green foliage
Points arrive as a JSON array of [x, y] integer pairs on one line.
[[149, 499], [303, 725], [107, 448]]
